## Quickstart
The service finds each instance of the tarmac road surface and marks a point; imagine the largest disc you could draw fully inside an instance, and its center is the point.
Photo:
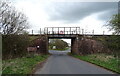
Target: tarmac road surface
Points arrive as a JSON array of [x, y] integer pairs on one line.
[[60, 63]]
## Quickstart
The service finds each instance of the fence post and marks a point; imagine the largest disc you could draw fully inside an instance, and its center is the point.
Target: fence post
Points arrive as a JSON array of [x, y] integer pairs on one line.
[[40, 30], [93, 33], [79, 30], [70, 30], [32, 32], [58, 30], [47, 30], [103, 33], [64, 30], [52, 31], [76, 30], [82, 31], [44, 30]]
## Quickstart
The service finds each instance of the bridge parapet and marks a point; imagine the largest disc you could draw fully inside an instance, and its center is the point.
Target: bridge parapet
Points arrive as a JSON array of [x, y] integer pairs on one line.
[[62, 30]]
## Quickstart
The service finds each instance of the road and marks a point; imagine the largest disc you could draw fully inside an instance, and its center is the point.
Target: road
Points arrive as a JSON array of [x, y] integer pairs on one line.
[[61, 63]]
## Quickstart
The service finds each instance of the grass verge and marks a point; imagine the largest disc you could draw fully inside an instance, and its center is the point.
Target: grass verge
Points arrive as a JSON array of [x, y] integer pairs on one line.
[[22, 65], [103, 60]]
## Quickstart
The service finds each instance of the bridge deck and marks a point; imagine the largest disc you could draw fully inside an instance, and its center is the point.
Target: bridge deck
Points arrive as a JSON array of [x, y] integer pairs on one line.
[[62, 35], [66, 32]]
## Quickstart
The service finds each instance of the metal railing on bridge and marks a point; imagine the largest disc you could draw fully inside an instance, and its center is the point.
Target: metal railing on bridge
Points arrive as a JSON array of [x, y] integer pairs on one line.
[[65, 31], [62, 30]]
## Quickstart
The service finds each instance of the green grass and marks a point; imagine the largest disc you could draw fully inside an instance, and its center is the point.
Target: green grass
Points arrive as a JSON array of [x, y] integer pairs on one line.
[[106, 61], [22, 65]]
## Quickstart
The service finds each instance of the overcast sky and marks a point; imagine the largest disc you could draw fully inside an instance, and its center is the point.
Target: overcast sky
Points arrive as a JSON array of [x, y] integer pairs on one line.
[[54, 13]]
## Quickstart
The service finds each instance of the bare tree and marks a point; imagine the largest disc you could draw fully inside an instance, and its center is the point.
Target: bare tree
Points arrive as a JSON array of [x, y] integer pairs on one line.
[[11, 21]]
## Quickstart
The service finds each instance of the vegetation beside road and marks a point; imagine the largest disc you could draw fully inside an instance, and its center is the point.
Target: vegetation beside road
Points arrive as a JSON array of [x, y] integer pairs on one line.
[[33, 37], [14, 46], [104, 60], [13, 25], [22, 65]]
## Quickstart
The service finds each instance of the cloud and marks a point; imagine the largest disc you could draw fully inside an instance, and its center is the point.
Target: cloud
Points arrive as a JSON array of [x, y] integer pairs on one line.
[[67, 12], [90, 15], [106, 15], [75, 11]]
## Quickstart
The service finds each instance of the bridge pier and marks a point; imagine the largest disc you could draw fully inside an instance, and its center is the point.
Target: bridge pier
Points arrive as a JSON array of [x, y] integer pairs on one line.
[[43, 44], [74, 45]]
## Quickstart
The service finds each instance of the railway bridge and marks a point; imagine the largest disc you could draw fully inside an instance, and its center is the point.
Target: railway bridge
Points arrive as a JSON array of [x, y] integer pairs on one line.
[[73, 33]]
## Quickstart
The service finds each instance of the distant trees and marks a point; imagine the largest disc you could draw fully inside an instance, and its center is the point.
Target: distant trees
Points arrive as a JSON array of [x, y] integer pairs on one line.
[[59, 44], [12, 27]]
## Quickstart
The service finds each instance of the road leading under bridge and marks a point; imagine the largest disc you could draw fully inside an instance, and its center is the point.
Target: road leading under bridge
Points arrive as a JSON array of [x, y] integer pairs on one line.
[[61, 63]]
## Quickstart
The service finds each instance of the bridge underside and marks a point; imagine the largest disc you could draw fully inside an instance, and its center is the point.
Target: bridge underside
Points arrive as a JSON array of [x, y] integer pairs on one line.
[[62, 36]]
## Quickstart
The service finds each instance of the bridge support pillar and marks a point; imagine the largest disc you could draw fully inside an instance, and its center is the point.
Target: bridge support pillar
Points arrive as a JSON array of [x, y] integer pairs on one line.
[[74, 45], [43, 45]]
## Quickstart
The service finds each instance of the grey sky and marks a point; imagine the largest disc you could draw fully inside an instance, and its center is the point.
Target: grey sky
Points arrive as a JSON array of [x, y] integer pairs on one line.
[[89, 15], [75, 11], [54, 13]]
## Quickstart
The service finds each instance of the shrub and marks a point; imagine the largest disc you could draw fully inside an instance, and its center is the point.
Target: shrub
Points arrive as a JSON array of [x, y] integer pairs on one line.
[[14, 46]]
